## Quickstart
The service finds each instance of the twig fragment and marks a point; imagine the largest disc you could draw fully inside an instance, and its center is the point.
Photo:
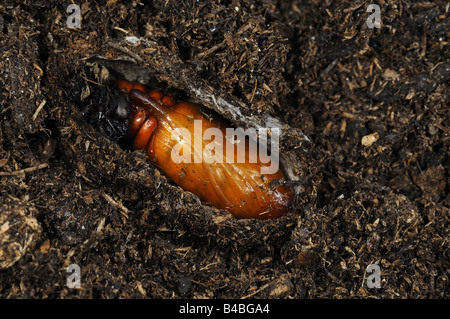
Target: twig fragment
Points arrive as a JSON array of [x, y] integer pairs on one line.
[[25, 170], [124, 211], [39, 108]]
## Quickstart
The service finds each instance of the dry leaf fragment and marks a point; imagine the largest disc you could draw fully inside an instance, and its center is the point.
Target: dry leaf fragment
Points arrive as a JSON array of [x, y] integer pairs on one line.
[[369, 139]]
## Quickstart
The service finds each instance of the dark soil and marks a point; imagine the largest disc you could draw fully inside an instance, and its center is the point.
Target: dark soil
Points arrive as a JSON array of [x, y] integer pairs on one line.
[[365, 115]]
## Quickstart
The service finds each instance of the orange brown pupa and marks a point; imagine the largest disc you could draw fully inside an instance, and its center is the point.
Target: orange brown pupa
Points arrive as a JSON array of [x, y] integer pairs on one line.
[[238, 187]]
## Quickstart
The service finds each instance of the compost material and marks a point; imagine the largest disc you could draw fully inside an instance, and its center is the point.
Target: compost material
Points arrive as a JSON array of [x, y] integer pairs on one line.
[[364, 115]]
